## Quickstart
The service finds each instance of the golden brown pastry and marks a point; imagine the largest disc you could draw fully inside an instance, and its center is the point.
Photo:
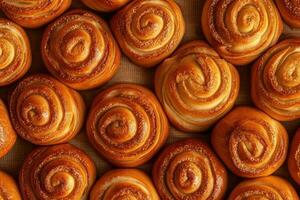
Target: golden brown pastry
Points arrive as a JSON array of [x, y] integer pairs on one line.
[[105, 5], [250, 143], [60, 172], [45, 111], [148, 31], [241, 30], [196, 87], [189, 170], [294, 158], [124, 184], [127, 125], [34, 13], [275, 84], [270, 187], [15, 53], [8, 188], [290, 12], [8, 135], [79, 49]]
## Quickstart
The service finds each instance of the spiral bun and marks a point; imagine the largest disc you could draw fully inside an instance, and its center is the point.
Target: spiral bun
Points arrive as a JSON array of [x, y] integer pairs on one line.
[[196, 87], [294, 158], [57, 172], [271, 187], [8, 188], [189, 170], [290, 11], [275, 84], [8, 135], [148, 31], [124, 184], [127, 125], [250, 143], [45, 111], [33, 14], [15, 53], [241, 30], [79, 50], [105, 5]]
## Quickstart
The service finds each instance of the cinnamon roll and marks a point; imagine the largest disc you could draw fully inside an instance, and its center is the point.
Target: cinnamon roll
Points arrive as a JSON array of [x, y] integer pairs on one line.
[[241, 30], [127, 125], [290, 12], [105, 5], [46, 112], [148, 31], [79, 50], [57, 172], [8, 188], [189, 170], [124, 184], [275, 86], [15, 53], [8, 135], [34, 13], [196, 87], [250, 143], [294, 158], [271, 187]]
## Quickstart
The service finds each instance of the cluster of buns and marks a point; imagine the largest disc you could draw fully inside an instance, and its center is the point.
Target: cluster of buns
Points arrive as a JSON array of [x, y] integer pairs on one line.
[[196, 88]]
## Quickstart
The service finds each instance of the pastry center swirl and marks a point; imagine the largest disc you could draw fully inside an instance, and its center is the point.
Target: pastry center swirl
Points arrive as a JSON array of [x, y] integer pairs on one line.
[[247, 19], [36, 110], [252, 145]]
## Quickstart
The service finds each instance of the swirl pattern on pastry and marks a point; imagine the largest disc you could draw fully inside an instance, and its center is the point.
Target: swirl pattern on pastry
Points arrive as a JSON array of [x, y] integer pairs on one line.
[[148, 31], [241, 30], [290, 11], [8, 188], [250, 143], [8, 135], [189, 170], [105, 5], [33, 13], [294, 158], [275, 86], [45, 111], [15, 53], [79, 50], [124, 184], [196, 87], [127, 125], [271, 187], [57, 172]]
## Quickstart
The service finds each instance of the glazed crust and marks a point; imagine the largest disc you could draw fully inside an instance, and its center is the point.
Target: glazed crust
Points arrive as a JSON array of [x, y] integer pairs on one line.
[[148, 31], [241, 31], [46, 112], [79, 50], [8, 135], [196, 87], [105, 5], [124, 184], [294, 158], [275, 82], [34, 14], [189, 170], [127, 125], [57, 172], [15, 57], [271, 187], [8, 188], [250, 143], [290, 12]]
